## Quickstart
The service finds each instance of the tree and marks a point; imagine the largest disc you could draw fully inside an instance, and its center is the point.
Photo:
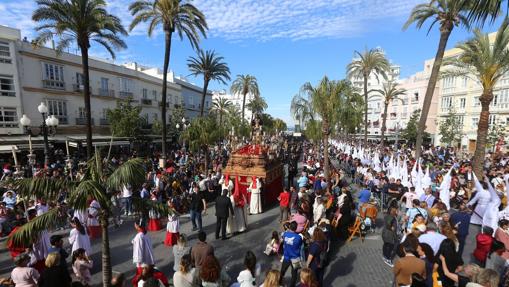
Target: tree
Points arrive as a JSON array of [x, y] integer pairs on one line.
[[212, 67], [324, 100], [220, 107], [301, 110], [243, 85], [451, 129], [390, 93], [101, 180], [487, 63], [234, 120], [495, 133], [279, 125], [313, 131], [449, 14], [175, 16], [257, 105], [202, 133], [80, 22], [409, 133], [351, 111], [366, 63], [483, 10], [125, 119]]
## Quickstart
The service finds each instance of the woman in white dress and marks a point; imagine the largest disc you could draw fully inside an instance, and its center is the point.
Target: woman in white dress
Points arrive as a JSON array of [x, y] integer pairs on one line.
[[78, 237], [255, 206], [172, 227], [142, 246]]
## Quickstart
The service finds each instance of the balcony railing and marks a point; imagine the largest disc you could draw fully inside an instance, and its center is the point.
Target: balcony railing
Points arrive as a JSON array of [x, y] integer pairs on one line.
[[104, 122], [123, 94], [83, 121], [107, 93], [146, 102], [52, 84]]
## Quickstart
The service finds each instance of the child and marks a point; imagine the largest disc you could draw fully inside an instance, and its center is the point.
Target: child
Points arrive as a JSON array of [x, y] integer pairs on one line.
[[172, 227], [273, 246], [81, 266]]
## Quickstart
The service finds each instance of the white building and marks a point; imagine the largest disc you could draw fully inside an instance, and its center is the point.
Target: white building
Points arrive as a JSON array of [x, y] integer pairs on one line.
[[30, 76]]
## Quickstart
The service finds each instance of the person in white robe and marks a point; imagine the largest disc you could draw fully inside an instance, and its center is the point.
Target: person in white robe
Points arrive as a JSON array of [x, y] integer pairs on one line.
[[142, 247], [81, 215], [255, 206], [94, 228], [226, 183], [78, 237], [482, 199]]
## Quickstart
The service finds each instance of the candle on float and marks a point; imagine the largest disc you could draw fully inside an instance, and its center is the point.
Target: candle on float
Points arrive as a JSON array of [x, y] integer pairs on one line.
[[30, 143], [14, 156]]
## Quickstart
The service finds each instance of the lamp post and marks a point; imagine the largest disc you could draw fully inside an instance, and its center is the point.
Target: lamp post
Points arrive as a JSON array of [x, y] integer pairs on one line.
[[397, 135], [48, 127], [183, 127]]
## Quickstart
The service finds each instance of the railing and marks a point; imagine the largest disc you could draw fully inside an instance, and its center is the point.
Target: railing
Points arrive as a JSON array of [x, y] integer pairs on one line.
[[79, 88], [123, 94], [83, 121], [52, 84], [104, 122], [146, 102], [106, 92]]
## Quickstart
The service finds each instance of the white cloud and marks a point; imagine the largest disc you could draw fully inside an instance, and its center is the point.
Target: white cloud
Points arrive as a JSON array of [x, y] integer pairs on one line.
[[260, 20]]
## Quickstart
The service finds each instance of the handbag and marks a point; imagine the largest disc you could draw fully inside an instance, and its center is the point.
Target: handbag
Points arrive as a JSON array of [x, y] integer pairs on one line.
[[296, 263], [268, 249]]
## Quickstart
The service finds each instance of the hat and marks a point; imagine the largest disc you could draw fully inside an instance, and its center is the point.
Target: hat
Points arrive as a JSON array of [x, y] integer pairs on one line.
[[55, 238], [421, 227]]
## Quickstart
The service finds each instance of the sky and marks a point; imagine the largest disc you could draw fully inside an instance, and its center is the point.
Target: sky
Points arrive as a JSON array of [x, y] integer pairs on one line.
[[283, 43]]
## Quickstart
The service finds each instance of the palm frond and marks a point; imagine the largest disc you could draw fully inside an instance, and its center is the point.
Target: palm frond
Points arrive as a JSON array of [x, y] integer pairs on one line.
[[30, 231]]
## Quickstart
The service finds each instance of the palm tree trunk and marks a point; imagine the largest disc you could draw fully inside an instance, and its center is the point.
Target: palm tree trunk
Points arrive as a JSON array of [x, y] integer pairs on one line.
[[167, 50], [384, 119], [243, 105], [366, 110], [106, 256], [205, 86], [326, 164], [220, 117], [445, 32], [482, 134], [86, 96]]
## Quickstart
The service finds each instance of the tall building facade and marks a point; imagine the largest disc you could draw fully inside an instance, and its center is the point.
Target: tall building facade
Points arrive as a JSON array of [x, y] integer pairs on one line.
[[236, 100], [29, 76]]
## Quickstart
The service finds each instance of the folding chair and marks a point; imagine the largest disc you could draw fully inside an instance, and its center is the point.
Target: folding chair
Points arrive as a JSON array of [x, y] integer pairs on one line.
[[355, 229]]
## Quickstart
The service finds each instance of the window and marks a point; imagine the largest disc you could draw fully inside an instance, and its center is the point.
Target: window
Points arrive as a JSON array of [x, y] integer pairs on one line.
[[206, 104], [126, 85], [492, 120], [4, 49], [8, 117], [475, 122], [494, 102], [81, 113], [53, 76], [415, 97], [465, 82], [58, 109], [448, 82], [446, 103], [144, 92], [154, 116], [154, 94], [105, 84], [79, 79], [104, 114], [7, 86], [461, 119], [463, 102]]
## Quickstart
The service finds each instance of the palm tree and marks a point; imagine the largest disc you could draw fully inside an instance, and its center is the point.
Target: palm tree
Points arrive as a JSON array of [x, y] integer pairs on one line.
[[366, 63], [279, 125], [212, 67], [487, 63], [202, 133], [390, 92], [483, 10], [243, 85], [80, 22], [301, 110], [351, 111], [175, 16], [220, 107], [100, 182], [324, 101], [449, 14], [257, 105]]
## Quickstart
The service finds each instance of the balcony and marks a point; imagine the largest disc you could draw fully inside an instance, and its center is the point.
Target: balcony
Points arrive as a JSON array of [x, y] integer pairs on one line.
[[107, 93], [123, 94], [104, 122], [52, 84], [161, 104], [83, 121], [79, 88], [146, 102]]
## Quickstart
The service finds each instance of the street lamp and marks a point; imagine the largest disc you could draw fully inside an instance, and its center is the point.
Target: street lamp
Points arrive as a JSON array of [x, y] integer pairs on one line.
[[183, 127], [48, 126]]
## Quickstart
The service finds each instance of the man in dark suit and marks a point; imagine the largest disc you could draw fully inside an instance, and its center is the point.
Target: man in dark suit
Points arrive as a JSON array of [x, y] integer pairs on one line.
[[223, 209]]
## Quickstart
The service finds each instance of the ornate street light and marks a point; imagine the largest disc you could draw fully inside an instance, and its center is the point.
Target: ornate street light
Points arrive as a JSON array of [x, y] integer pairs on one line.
[[49, 126]]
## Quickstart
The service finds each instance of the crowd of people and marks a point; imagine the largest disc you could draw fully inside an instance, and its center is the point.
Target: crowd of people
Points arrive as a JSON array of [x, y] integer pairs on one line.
[[432, 208]]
